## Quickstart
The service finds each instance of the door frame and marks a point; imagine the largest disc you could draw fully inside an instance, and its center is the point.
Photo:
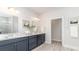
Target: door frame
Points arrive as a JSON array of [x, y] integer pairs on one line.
[[61, 27]]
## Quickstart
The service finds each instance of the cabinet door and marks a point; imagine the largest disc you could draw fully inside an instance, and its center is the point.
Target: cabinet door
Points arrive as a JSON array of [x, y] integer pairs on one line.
[[41, 39], [32, 42], [22, 45], [8, 47]]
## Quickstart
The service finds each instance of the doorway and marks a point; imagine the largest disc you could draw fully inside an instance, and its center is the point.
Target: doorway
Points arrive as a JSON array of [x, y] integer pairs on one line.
[[56, 30]]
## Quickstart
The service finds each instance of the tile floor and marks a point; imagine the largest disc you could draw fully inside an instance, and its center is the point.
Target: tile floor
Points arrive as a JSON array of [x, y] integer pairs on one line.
[[55, 46]]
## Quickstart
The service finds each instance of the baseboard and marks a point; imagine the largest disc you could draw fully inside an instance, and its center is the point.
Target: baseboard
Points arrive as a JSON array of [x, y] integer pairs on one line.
[[57, 40], [71, 47], [47, 42]]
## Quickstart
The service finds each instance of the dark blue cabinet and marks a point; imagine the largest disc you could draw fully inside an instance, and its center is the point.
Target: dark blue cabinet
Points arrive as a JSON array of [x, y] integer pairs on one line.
[[41, 39], [32, 42], [8, 47], [22, 45], [18, 44]]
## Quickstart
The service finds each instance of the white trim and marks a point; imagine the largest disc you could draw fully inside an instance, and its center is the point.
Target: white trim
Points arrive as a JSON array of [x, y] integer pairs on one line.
[[72, 47], [61, 18], [56, 40]]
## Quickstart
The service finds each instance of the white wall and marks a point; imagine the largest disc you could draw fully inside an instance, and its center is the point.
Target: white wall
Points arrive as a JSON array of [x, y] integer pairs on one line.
[[65, 14]]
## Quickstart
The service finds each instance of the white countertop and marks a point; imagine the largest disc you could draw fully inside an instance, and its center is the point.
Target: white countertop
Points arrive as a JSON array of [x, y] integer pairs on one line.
[[15, 35]]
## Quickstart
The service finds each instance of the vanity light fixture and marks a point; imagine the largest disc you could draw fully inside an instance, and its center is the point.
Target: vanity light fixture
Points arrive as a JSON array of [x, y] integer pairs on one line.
[[13, 11], [35, 19]]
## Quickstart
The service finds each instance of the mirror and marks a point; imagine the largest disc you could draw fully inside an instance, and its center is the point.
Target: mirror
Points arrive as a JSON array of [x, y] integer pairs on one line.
[[8, 24], [30, 26]]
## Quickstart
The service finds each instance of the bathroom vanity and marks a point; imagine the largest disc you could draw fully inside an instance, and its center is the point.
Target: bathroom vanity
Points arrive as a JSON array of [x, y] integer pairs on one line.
[[11, 40], [25, 42]]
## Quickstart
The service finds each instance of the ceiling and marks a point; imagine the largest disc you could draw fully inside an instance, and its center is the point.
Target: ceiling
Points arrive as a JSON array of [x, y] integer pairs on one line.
[[41, 10]]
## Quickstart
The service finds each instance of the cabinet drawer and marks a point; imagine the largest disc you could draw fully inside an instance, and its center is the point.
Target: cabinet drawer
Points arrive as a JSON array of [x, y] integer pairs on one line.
[[31, 37]]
